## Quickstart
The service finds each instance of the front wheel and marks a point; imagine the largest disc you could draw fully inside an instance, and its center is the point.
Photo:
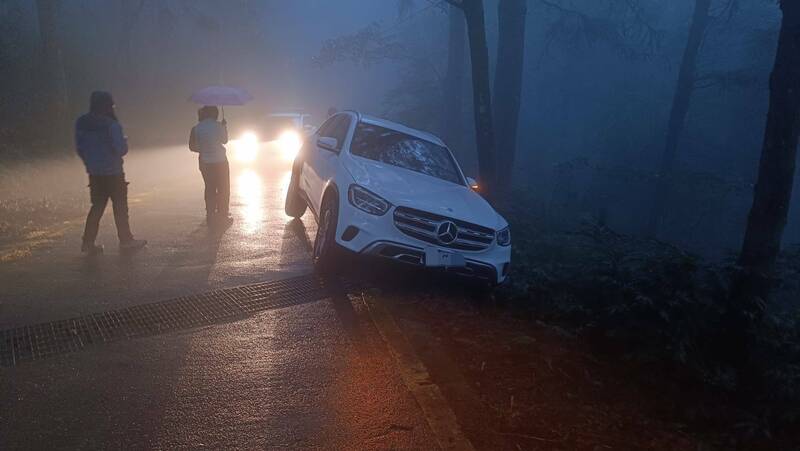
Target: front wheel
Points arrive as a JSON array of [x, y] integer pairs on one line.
[[295, 205], [326, 251]]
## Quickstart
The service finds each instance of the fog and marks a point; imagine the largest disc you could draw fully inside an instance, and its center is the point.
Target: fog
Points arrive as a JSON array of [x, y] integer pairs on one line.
[[617, 264], [598, 83]]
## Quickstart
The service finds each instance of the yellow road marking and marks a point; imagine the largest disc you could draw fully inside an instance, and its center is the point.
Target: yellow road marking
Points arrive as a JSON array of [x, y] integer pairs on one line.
[[34, 239], [38, 238], [440, 417], [139, 197]]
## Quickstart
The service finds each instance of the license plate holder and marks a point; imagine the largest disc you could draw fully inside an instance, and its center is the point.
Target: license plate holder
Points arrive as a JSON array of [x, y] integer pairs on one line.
[[435, 257]]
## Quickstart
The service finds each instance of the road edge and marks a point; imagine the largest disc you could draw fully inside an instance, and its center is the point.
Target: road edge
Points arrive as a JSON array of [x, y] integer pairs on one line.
[[439, 415]]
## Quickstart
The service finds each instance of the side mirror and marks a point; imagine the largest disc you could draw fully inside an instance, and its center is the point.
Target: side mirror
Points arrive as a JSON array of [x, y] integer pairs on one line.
[[328, 143], [473, 183]]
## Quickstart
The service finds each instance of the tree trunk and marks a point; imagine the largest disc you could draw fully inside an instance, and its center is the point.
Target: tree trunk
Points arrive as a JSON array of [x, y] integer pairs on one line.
[[125, 70], [481, 93], [773, 190], [52, 76], [454, 80], [508, 84], [677, 117]]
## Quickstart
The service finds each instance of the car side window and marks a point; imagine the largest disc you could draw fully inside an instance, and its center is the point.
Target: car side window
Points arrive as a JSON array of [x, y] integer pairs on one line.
[[339, 130], [325, 129]]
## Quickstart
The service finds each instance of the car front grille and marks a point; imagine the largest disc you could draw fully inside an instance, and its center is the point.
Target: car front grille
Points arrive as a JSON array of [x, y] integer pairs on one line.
[[428, 227]]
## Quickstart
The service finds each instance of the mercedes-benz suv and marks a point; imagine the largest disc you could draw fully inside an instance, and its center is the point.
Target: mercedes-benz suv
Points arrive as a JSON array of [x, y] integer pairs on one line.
[[382, 189]]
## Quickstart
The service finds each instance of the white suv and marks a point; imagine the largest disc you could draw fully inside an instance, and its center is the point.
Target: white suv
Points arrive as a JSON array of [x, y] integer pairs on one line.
[[382, 189]]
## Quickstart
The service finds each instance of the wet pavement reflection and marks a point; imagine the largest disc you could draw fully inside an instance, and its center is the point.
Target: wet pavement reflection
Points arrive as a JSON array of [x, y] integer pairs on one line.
[[183, 257], [251, 197], [304, 376]]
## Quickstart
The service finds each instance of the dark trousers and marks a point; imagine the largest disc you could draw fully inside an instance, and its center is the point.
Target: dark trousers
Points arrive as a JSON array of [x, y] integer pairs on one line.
[[102, 188], [217, 177]]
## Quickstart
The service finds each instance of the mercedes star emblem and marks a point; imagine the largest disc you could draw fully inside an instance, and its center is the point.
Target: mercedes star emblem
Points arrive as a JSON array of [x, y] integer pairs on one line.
[[447, 232]]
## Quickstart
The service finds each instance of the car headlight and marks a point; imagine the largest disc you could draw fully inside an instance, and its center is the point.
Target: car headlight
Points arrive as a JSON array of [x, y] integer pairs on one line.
[[246, 147], [290, 143], [367, 201], [504, 237]]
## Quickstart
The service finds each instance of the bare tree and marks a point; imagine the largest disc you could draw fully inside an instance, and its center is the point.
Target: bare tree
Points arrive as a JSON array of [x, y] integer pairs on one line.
[[451, 109], [680, 108], [454, 78], [371, 45], [773, 189], [622, 27], [129, 13], [508, 84], [481, 91], [368, 46], [53, 77]]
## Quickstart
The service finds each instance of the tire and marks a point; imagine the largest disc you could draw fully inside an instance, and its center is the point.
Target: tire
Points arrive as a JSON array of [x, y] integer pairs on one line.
[[326, 252], [295, 205]]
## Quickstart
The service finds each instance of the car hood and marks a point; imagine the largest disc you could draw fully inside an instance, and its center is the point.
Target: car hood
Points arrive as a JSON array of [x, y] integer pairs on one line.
[[407, 188]]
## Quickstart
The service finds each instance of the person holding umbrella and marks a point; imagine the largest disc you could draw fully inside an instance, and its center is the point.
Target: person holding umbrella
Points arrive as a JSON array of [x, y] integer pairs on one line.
[[208, 139]]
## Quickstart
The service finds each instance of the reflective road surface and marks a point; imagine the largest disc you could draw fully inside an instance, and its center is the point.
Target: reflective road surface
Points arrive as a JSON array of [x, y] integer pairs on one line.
[[166, 208], [311, 375]]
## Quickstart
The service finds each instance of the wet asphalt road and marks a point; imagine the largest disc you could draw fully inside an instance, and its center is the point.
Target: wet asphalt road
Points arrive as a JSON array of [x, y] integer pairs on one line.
[[167, 209], [312, 375]]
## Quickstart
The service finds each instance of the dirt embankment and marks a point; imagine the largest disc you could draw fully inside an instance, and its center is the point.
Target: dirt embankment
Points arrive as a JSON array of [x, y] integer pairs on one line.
[[519, 383]]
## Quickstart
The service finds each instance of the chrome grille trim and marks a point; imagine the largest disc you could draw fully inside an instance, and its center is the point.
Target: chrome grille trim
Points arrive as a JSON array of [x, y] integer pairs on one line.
[[414, 218], [423, 226], [413, 229]]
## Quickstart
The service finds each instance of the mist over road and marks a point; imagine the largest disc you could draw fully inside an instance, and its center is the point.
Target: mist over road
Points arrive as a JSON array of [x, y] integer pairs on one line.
[[292, 377], [166, 207]]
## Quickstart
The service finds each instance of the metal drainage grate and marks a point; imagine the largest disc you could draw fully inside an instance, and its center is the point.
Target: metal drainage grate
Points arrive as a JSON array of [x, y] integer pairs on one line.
[[43, 340]]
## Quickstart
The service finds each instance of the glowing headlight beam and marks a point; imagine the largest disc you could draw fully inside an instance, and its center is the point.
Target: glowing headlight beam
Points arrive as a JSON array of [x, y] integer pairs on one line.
[[289, 143], [246, 147]]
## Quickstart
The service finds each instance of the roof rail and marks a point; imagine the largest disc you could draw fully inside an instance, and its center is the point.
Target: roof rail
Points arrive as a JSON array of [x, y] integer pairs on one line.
[[356, 112]]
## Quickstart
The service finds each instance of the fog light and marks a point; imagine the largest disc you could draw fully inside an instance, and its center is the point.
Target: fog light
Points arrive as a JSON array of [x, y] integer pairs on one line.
[[349, 233]]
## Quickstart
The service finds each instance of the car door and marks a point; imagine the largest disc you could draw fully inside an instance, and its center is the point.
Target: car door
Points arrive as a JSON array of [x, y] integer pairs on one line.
[[316, 162], [308, 174], [328, 160]]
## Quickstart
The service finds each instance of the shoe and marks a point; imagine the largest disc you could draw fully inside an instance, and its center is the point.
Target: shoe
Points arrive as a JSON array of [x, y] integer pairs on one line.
[[91, 249], [132, 244]]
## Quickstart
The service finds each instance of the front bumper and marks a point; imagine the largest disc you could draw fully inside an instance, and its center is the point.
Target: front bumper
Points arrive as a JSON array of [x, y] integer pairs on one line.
[[378, 236]]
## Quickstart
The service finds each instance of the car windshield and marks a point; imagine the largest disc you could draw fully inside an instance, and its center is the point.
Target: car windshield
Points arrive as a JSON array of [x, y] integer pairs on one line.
[[405, 151]]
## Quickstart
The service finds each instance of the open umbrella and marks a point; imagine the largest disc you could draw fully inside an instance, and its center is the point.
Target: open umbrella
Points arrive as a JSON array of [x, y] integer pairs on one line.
[[221, 95]]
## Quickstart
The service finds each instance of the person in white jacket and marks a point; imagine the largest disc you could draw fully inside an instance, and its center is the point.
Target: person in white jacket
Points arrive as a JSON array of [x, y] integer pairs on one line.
[[208, 138]]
